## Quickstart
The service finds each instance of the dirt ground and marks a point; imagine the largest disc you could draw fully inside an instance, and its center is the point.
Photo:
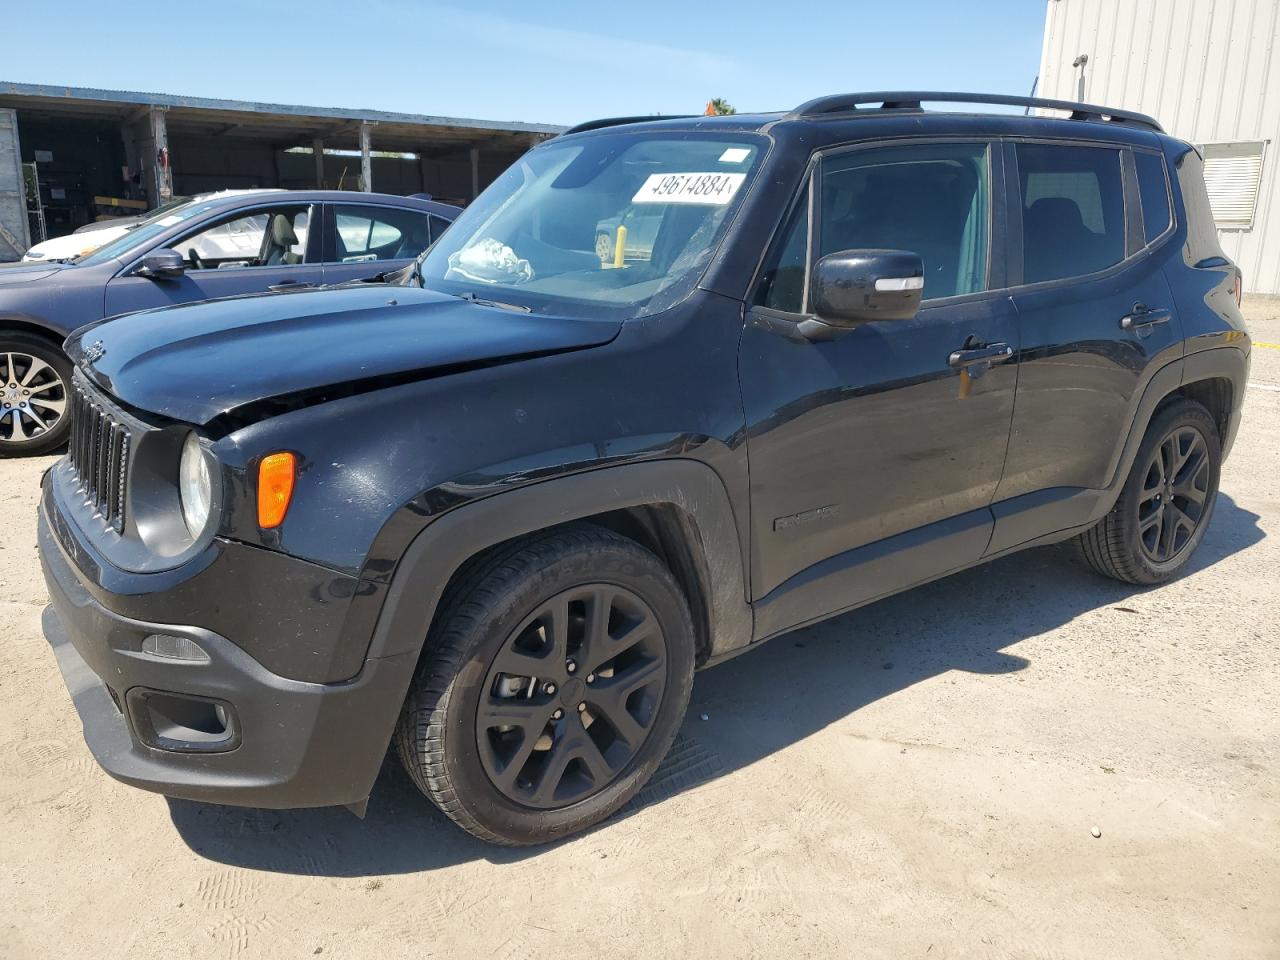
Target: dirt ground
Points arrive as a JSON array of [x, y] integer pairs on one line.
[[916, 779]]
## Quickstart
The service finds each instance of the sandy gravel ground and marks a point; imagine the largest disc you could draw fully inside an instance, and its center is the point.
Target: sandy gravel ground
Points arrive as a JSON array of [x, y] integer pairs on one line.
[[917, 779]]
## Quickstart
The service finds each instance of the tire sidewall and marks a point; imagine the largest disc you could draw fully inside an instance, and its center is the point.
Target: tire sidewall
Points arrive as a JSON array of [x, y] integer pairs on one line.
[[1177, 415], [50, 354], [617, 564]]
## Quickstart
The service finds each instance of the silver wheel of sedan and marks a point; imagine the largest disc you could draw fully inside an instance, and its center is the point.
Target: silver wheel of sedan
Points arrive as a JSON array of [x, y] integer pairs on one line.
[[35, 407]]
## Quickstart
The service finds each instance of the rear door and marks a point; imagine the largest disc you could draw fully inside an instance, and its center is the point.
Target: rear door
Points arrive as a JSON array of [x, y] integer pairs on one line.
[[255, 250], [874, 455], [364, 239], [1096, 315]]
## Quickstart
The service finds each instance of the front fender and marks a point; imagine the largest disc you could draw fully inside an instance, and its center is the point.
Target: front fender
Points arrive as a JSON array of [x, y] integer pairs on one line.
[[446, 543]]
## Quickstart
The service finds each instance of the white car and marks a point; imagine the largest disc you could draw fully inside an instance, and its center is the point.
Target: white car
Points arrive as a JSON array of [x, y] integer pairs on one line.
[[94, 235], [78, 244]]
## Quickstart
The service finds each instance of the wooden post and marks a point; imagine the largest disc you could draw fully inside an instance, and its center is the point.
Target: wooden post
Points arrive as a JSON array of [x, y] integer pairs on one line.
[[159, 147], [317, 147], [366, 162], [475, 172]]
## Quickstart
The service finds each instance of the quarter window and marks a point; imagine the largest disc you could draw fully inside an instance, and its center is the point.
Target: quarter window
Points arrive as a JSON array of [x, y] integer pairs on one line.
[[1154, 189], [782, 284], [930, 199], [1072, 210], [380, 233]]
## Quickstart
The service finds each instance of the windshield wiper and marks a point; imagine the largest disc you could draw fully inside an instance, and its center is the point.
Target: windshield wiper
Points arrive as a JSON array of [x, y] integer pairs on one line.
[[471, 297]]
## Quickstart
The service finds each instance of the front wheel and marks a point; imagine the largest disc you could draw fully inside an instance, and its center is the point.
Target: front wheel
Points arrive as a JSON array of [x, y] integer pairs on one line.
[[35, 384], [1165, 505], [553, 684]]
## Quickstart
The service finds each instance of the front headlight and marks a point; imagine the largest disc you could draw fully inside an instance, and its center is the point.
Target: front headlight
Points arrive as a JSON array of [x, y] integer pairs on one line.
[[195, 486]]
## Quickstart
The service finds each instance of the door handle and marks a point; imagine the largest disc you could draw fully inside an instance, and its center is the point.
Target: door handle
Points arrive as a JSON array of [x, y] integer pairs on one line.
[[290, 285], [988, 353], [1143, 317]]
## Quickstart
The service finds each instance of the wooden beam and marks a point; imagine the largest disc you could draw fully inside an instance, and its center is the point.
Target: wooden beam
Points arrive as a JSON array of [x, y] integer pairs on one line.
[[317, 147], [366, 162]]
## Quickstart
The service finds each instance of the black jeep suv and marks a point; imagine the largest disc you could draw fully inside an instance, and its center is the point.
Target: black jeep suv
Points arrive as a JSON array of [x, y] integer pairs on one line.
[[499, 511]]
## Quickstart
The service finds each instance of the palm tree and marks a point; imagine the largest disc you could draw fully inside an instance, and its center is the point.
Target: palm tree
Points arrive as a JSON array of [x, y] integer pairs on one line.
[[719, 107]]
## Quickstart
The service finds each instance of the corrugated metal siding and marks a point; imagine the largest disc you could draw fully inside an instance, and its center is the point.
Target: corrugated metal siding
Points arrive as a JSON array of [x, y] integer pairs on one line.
[[13, 194], [1208, 70]]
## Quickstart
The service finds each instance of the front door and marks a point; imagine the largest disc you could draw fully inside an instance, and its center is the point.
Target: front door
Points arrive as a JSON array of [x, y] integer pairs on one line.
[[254, 251], [874, 456]]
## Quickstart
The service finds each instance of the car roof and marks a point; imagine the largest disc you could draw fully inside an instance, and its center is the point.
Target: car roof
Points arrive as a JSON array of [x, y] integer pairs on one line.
[[233, 198], [868, 116]]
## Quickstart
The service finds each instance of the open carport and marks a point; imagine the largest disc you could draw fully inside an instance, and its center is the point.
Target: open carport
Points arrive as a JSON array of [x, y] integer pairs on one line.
[[98, 153]]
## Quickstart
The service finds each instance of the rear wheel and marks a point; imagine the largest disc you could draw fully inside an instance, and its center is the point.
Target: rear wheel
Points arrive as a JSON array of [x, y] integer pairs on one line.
[[1167, 500], [554, 682], [35, 382]]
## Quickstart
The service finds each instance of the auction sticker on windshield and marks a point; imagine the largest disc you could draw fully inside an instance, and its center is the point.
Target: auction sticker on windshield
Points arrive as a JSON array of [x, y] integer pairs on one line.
[[708, 188]]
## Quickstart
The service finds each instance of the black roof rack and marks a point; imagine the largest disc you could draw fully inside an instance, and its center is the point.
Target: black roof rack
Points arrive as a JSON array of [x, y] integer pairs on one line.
[[619, 121], [911, 100]]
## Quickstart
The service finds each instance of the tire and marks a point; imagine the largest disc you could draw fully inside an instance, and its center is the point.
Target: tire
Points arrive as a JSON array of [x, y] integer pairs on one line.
[[1129, 543], [569, 757], [35, 388]]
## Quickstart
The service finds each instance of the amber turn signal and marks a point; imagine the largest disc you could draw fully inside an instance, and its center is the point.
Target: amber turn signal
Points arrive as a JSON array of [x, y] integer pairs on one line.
[[276, 474]]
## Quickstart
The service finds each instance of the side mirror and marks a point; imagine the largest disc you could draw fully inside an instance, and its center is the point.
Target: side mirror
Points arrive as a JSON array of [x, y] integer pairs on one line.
[[852, 287], [162, 263]]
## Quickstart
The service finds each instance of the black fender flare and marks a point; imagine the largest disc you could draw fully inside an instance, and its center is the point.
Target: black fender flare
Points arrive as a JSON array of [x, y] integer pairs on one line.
[[1228, 363], [441, 548]]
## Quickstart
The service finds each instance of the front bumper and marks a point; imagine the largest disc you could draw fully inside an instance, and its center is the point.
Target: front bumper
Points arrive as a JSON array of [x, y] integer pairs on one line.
[[298, 744]]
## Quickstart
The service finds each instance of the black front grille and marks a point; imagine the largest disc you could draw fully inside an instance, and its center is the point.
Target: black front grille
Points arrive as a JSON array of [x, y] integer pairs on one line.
[[99, 451]]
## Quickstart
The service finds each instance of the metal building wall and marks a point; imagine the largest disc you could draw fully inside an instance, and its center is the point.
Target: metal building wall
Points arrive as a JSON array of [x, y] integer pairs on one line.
[[1208, 70]]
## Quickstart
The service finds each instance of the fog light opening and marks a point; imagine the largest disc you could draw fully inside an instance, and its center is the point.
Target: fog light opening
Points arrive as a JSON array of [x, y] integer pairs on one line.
[[186, 724]]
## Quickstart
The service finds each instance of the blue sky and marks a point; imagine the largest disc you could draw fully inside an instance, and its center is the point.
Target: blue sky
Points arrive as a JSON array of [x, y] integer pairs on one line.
[[553, 62]]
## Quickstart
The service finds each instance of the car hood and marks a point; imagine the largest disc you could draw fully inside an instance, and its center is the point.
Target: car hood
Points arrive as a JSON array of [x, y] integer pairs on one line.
[[25, 271], [198, 361], [74, 244]]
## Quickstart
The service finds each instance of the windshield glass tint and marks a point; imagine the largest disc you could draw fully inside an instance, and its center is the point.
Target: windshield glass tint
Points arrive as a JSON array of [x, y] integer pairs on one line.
[[143, 232], [620, 222]]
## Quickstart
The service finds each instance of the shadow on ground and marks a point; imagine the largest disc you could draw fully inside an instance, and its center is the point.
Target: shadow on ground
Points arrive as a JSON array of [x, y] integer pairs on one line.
[[759, 703]]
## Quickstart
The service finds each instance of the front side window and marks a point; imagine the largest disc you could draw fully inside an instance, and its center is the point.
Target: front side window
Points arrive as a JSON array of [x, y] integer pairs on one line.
[[620, 223], [380, 233], [930, 199], [264, 238], [1072, 210]]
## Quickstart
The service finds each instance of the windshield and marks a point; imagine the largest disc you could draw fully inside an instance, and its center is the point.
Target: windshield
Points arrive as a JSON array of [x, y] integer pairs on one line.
[[623, 223], [146, 230]]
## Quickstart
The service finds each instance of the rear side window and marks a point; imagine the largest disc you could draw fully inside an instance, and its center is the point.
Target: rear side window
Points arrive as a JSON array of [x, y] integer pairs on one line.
[[1072, 210], [380, 233], [1154, 189]]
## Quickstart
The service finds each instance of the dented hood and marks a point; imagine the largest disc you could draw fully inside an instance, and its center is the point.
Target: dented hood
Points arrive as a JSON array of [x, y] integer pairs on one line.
[[197, 361]]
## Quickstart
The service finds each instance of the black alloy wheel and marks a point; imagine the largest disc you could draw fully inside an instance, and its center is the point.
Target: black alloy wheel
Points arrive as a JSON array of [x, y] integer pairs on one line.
[[556, 674], [571, 697], [1166, 503], [1175, 491]]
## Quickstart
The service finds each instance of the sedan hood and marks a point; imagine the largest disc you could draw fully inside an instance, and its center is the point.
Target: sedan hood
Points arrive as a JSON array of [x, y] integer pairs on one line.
[[26, 271], [198, 361]]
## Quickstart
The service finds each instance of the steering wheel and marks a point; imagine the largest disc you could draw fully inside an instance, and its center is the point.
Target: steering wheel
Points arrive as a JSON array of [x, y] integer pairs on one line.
[[195, 258]]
